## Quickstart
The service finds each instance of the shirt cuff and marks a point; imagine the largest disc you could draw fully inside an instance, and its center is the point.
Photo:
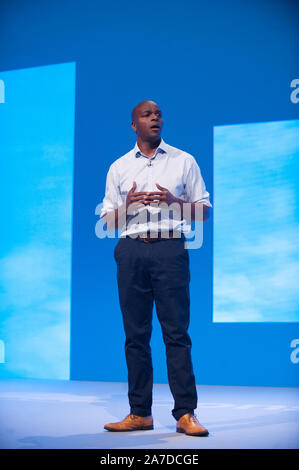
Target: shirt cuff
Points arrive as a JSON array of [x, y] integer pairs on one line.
[[205, 202]]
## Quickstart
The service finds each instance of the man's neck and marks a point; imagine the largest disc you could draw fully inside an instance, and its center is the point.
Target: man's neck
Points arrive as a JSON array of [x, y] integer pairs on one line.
[[148, 148]]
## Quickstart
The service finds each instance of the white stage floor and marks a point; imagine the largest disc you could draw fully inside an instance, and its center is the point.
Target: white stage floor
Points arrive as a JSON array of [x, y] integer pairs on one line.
[[46, 414]]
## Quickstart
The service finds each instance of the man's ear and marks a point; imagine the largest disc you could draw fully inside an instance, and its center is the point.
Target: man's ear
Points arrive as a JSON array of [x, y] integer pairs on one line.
[[133, 125]]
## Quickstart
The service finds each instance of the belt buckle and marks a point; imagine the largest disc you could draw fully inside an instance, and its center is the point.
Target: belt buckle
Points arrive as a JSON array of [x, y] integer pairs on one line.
[[143, 239], [148, 240]]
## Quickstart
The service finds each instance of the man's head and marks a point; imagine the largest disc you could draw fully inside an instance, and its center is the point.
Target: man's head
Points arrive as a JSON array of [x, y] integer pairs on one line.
[[147, 121]]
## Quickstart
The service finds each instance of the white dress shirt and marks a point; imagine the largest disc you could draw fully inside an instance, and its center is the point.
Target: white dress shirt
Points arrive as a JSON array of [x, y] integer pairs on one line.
[[171, 168]]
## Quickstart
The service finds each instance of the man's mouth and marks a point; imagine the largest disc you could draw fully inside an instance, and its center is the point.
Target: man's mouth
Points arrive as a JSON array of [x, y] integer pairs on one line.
[[155, 126]]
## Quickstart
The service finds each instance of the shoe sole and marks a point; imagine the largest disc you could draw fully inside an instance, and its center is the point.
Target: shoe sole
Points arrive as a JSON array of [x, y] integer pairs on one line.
[[148, 428], [201, 433]]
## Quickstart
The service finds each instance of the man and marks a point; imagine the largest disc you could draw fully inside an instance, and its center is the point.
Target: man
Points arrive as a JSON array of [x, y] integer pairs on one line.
[[153, 265]]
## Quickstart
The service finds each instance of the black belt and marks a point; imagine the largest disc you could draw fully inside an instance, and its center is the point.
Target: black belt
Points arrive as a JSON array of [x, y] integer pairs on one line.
[[161, 236]]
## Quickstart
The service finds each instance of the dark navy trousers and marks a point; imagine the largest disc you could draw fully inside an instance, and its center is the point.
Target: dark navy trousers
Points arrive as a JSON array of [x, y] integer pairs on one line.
[[156, 272]]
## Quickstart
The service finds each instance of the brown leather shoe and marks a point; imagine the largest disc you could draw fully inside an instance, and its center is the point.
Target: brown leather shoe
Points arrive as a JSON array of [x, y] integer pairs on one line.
[[189, 424], [131, 423]]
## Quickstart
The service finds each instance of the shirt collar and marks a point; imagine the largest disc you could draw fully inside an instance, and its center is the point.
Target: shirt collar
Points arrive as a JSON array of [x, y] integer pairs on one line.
[[162, 148]]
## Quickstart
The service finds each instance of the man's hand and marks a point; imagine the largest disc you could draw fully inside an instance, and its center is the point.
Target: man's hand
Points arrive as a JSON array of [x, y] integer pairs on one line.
[[198, 211], [142, 198], [165, 195], [145, 198]]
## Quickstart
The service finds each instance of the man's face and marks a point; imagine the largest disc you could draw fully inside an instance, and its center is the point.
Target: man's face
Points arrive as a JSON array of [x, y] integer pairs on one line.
[[148, 121]]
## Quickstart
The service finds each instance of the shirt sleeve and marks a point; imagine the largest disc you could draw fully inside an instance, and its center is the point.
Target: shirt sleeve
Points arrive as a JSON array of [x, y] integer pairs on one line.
[[195, 188], [112, 199]]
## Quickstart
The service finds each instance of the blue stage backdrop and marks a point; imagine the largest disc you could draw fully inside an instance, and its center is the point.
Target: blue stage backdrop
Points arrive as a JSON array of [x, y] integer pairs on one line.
[[226, 77]]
